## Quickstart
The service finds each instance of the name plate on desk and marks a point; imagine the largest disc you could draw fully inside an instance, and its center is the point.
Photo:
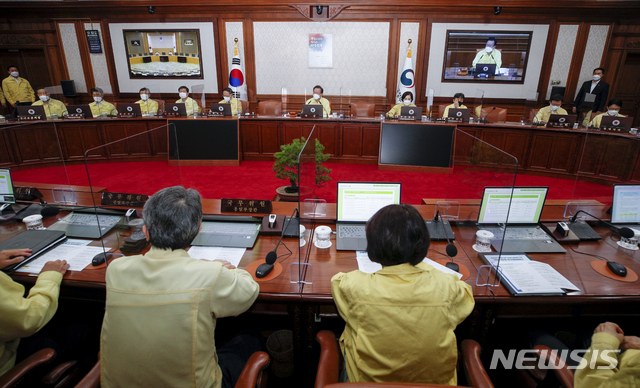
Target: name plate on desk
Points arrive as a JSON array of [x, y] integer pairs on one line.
[[231, 205], [453, 119], [123, 199], [215, 114], [172, 114], [30, 118], [127, 115], [615, 129], [407, 118], [74, 116], [559, 125], [27, 193]]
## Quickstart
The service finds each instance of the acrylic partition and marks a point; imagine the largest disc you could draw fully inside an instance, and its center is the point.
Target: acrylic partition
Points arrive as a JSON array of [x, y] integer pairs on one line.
[[477, 187], [478, 100], [530, 109], [119, 190], [198, 95]]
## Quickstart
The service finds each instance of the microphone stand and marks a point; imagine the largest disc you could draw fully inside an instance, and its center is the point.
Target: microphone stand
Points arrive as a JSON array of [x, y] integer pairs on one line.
[[451, 249], [623, 232], [483, 120]]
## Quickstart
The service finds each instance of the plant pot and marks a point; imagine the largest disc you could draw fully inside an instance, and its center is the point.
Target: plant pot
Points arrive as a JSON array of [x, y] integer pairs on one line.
[[292, 197]]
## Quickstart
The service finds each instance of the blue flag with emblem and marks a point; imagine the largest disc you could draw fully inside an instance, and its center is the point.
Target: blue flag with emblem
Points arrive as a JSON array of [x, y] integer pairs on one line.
[[406, 83]]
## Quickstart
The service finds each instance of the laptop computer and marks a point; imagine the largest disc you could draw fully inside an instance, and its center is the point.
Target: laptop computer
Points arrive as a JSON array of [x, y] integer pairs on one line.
[[356, 203], [520, 212], [459, 114], [80, 109], [625, 210], [312, 111], [561, 121], [221, 109], [179, 108], [228, 231], [616, 124], [82, 223], [485, 70], [37, 110], [130, 108], [7, 196], [411, 111], [39, 241]]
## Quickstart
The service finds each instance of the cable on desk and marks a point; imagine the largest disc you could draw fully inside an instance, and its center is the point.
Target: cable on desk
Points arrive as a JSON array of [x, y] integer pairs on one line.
[[443, 254], [588, 254]]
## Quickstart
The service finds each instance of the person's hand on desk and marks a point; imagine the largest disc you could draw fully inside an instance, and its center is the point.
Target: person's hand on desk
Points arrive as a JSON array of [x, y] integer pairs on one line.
[[226, 264], [12, 256], [56, 266], [611, 328], [630, 342]]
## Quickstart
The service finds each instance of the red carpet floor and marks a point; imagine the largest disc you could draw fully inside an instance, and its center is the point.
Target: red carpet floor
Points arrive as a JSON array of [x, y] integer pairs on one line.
[[256, 180]]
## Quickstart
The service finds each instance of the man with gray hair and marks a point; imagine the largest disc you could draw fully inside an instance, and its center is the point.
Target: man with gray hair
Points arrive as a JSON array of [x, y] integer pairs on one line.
[[99, 107], [161, 307]]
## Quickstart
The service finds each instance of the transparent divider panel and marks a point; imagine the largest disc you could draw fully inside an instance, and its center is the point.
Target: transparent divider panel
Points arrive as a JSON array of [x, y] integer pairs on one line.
[[478, 100], [198, 95], [530, 109], [284, 101], [118, 190], [476, 165]]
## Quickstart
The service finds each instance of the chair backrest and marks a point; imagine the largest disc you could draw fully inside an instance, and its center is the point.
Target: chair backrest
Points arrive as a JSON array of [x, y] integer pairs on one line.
[[472, 365], [533, 113], [270, 108], [92, 379], [363, 109], [499, 116], [535, 376], [245, 106], [441, 108], [160, 105], [27, 367]]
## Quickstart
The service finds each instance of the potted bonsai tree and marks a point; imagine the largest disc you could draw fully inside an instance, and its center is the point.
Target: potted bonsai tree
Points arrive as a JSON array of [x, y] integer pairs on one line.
[[286, 166]]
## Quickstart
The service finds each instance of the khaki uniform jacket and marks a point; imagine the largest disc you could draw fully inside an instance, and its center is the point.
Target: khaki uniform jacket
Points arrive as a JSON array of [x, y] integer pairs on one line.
[[610, 370], [17, 91], [56, 107]]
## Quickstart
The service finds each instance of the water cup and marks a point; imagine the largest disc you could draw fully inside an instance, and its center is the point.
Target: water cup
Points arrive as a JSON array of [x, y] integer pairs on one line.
[[33, 222], [483, 241]]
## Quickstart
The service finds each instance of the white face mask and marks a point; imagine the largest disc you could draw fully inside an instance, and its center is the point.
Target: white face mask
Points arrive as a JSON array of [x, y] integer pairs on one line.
[[596, 77], [612, 112], [97, 99], [407, 102], [15, 74], [182, 95], [316, 96], [554, 108], [227, 99], [44, 98], [488, 49], [144, 97]]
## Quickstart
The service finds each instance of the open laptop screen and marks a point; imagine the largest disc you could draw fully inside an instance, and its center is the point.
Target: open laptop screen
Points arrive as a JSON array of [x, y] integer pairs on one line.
[[358, 201], [626, 204], [526, 206], [6, 187]]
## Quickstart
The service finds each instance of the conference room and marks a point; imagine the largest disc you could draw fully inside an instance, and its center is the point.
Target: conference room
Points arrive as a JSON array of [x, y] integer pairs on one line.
[[553, 204]]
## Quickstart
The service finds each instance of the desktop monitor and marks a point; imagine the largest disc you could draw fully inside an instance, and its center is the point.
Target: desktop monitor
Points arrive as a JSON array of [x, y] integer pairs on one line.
[[6, 187], [626, 204], [523, 207], [358, 201]]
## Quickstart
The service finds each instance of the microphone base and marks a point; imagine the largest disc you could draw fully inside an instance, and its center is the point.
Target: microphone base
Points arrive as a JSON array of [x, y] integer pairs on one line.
[[275, 272], [464, 271]]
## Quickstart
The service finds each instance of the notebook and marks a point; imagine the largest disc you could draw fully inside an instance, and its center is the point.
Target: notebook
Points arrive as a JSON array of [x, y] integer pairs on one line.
[[561, 121], [311, 111], [356, 203], [39, 241], [130, 108], [80, 110], [179, 108], [519, 208], [38, 110], [221, 109], [616, 124], [460, 114], [228, 231], [485, 70], [411, 111], [83, 223]]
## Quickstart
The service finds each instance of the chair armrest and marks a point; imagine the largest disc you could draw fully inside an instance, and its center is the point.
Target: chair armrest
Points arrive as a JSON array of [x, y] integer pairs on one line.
[[560, 368], [54, 375], [92, 379], [252, 370], [26, 366], [473, 369], [328, 368]]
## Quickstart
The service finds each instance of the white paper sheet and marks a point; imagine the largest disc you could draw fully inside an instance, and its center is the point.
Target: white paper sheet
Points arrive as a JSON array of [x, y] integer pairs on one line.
[[366, 265], [232, 255], [78, 257]]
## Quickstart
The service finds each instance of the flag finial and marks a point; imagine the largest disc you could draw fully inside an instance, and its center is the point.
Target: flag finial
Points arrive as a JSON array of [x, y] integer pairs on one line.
[[235, 40], [409, 41]]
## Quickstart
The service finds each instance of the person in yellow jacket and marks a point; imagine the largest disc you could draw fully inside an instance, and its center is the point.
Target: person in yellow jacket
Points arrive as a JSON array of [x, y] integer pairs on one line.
[[407, 307], [407, 100], [613, 110], [613, 360], [458, 100], [489, 55], [189, 103], [99, 106], [227, 98], [317, 99], [554, 108], [148, 107], [16, 89], [3, 101], [21, 316], [51, 105]]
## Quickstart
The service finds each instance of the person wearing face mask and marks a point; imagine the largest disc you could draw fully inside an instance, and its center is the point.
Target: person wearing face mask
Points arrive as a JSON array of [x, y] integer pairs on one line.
[[17, 89], [407, 100], [148, 106], [189, 103], [613, 109], [552, 109], [236, 105], [594, 86], [489, 55], [99, 106], [317, 99], [51, 105], [458, 99]]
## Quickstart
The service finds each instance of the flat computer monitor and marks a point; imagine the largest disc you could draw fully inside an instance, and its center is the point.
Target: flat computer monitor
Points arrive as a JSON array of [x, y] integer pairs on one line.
[[512, 205], [358, 201], [626, 204], [130, 108], [7, 195]]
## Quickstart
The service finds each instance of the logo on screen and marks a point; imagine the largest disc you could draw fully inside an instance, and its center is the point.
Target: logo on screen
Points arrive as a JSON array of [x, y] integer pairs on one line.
[[31, 111], [129, 109], [562, 119], [78, 110], [614, 122], [459, 114], [411, 111], [175, 108], [486, 68], [220, 108], [313, 110]]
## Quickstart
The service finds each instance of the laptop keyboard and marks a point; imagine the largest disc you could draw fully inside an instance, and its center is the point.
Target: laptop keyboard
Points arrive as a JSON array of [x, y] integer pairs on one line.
[[90, 220], [519, 233], [228, 228], [351, 231]]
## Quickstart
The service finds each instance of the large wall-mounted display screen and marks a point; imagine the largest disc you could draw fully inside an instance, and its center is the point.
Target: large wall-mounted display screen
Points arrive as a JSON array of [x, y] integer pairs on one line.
[[163, 53], [486, 56]]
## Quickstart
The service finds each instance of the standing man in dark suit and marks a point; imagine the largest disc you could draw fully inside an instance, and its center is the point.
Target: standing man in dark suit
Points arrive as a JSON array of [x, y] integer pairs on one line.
[[596, 86]]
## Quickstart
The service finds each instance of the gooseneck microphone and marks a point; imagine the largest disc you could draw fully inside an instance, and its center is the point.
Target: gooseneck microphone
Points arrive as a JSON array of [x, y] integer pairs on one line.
[[265, 268], [624, 232], [484, 119], [451, 249]]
